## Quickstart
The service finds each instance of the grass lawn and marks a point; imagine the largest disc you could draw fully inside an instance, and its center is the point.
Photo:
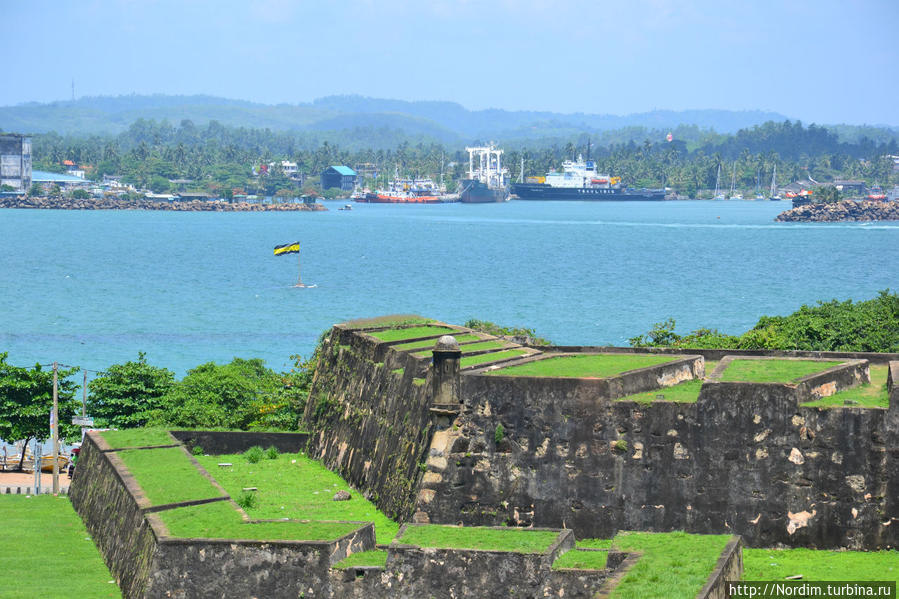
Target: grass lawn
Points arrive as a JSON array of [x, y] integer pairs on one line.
[[477, 537], [486, 358], [138, 437], [294, 486], [220, 520], [375, 557], [594, 544], [429, 343], [686, 392], [773, 371], [472, 347], [167, 475], [393, 320], [586, 366], [581, 560], [675, 565], [871, 395], [46, 551], [410, 333], [818, 564]]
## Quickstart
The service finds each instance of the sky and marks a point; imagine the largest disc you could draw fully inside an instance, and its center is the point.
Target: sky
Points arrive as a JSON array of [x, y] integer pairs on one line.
[[823, 61]]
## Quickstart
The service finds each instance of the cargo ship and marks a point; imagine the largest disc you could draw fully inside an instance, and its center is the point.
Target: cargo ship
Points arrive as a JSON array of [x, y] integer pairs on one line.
[[579, 180], [487, 178], [409, 191]]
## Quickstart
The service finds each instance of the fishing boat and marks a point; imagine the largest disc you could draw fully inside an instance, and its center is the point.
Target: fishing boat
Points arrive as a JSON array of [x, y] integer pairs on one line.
[[47, 463], [409, 191], [876, 193]]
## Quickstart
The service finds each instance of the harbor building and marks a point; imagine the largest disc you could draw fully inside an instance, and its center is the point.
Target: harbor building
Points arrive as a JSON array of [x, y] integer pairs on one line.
[[342, 177], [15, 161]]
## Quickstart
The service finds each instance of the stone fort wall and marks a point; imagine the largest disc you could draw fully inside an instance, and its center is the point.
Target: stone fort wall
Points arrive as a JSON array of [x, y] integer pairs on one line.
[[744, 458]]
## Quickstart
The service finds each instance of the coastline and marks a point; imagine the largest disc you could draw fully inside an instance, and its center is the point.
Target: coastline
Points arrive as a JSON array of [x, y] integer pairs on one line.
[[190, 206], [842, 211]]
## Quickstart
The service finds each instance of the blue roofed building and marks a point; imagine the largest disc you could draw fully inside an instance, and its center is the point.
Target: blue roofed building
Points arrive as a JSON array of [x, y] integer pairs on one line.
[[342, 177]]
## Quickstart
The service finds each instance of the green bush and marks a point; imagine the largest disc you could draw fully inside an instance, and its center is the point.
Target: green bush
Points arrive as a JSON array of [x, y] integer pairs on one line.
[[197, 450], [247, 500], [499, 433], [272, 453], [866, 326], [254, 454]]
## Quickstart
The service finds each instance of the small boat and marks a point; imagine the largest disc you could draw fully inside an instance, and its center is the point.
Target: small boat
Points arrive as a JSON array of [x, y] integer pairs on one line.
[[719, 195], [876, 193], [774, 197], [47, 463], [346, 207]]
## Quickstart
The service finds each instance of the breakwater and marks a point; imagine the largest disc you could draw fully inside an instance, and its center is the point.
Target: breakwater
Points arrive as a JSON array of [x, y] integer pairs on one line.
[[845, 210], [119, 204]]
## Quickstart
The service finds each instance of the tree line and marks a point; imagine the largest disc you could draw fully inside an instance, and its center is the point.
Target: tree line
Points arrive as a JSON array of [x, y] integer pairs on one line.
[[219, 159]]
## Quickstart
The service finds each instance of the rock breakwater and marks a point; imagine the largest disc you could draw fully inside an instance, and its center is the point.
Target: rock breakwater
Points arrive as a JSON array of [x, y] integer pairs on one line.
[[117, 204], [845, 210]]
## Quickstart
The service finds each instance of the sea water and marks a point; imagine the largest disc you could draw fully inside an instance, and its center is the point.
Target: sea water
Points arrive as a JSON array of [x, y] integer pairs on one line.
[[94, 288]]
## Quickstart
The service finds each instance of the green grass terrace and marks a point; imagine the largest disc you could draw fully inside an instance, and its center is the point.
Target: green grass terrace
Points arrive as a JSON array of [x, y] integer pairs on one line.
[[410, 332], [481, 538], [584, 366], [220, 520], [296, 487], [137, 437], [429, 343], [773, 370], [869, 395], [167, 475]]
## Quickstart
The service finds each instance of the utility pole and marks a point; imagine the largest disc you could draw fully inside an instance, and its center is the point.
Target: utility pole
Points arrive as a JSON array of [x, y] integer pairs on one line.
[[54, 429]]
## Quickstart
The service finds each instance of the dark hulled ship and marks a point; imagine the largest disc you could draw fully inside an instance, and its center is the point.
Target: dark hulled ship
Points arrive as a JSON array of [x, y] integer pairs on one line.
[[580, 181]]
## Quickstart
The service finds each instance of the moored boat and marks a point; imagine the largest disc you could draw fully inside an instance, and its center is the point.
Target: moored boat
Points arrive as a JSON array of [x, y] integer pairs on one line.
[[579, 180], [486, 182]]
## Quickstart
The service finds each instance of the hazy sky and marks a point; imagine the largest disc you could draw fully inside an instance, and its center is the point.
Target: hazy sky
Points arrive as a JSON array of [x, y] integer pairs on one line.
[[822, 61]]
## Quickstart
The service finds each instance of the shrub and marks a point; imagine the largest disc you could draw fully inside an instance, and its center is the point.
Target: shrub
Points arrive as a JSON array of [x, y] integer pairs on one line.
[[246, 500], [499, 433], [197, 450], [254, 454], [272, 453]]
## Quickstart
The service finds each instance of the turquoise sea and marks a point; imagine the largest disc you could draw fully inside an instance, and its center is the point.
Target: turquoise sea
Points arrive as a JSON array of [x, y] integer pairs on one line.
[[93, 288]]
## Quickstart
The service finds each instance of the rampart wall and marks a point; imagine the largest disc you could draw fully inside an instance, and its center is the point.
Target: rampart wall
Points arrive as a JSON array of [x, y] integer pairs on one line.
[[148, 562], [744, 458]]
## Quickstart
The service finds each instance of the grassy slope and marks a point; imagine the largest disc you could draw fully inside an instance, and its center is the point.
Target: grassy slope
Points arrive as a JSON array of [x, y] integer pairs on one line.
[[137, 437], [595, 365], [409, 333], [872, 395], [167, 475], [294, 486], [486, 358], [686, 392], [475, 537], [46, 552], [220, 520], [773, 371], [429, 343], [674, 565], [776, 564]]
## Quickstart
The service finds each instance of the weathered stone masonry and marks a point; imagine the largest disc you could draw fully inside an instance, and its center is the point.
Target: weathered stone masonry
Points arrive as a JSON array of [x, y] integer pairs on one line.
[[745, 458]]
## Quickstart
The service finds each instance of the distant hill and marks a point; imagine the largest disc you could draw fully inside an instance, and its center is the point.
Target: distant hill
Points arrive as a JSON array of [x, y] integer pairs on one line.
[[446, 122]]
